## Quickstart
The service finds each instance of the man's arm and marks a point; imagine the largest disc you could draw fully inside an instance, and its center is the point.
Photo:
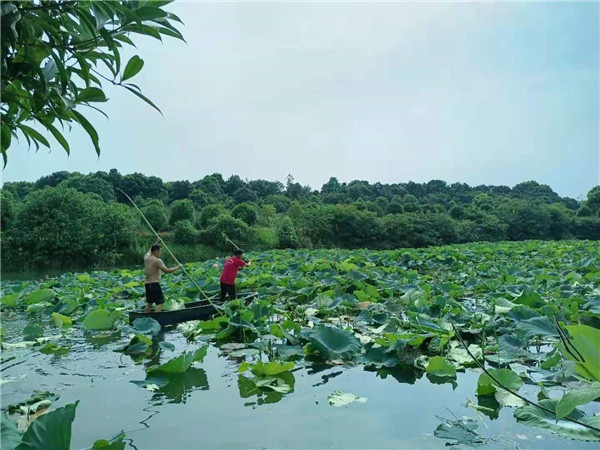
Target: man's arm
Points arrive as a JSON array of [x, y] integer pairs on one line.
[[245, 263], [165, 269]]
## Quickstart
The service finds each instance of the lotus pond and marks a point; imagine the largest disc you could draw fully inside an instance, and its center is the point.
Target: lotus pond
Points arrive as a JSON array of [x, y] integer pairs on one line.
[[487, 345]]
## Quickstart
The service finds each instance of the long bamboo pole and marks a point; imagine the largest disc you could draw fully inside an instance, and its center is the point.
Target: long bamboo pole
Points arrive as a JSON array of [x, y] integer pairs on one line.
[[230, 241], [168, 249]]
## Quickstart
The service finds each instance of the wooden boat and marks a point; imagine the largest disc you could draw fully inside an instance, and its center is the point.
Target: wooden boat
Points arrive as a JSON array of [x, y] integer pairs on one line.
[[200, 312], [247, 297]]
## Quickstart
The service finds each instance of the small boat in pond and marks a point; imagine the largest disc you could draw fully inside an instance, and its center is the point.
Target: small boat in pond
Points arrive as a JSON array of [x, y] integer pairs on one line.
[[200, 312], [247, 297]]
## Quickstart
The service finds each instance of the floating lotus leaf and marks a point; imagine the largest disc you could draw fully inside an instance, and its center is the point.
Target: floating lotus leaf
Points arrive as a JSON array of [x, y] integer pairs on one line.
[[340, 398], [334, 343], [41, 295], [60, 321], [100, 319], [440, 367], [146, 325], [182, 363]]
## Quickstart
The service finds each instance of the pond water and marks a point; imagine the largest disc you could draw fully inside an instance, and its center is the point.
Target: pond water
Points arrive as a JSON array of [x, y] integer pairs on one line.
[[208, 408]]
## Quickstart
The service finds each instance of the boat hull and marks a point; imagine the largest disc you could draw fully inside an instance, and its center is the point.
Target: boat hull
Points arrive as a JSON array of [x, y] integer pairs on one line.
[[200, 312], [246, 297]]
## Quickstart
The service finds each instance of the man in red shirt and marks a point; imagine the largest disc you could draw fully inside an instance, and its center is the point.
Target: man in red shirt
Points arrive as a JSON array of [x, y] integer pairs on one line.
[[230, 271]]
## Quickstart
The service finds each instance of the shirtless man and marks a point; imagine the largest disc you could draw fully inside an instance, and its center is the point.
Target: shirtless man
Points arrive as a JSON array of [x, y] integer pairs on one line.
[[153, 267]]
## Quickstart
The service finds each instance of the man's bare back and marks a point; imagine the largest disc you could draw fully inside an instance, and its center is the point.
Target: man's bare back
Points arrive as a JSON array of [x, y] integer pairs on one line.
[[154, 266]]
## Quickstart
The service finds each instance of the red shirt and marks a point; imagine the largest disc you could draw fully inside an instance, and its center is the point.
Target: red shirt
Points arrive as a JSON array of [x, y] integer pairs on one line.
[[230, 270]]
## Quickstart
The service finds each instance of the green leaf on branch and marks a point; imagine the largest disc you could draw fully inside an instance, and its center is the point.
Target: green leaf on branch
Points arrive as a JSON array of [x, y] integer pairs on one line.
[[35, 135], [87, 126], [57, 135], [132, 68], [91, 94], [142, 96]]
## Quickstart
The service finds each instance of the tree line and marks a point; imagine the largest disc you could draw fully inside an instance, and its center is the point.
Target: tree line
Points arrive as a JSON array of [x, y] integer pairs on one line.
[[72, 220]]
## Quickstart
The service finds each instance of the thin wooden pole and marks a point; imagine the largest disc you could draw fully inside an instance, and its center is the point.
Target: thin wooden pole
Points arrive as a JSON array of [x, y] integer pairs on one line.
[[230, 241]]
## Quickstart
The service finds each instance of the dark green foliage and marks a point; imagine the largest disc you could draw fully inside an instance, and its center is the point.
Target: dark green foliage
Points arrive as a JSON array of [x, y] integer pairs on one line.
[[233, 184], [7, 208], [587, 228], [179, 190], [245, 212], [354, 229], [457, 212], [182, 210], [156, 214], [525, 220], [592, 204], [280, 202], [91, 185], [489, 227], [19, 189], [295, 191], [410, 203], [54, 179], [394, 208], [57, 227], [286, 235], [212, 185], [243, 195], [234, 229], [263, 188], [353, 215], [185, 232], [540, 193], [200, 198], [208, 213], [560, 221], [137, 184], [333, 186]]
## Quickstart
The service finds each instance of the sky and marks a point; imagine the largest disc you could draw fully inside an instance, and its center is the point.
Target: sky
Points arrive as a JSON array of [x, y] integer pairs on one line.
[[490, 93]]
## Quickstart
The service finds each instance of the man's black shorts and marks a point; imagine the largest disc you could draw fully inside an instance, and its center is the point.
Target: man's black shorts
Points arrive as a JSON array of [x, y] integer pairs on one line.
[[154, 293], [227, 289]]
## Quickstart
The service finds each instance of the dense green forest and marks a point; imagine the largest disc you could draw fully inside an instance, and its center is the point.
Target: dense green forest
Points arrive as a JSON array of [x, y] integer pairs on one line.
[[70, 220]]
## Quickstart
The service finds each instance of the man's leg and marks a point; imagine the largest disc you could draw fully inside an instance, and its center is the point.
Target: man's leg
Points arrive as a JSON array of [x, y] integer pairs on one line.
[[160, 299], [148, 289], [232, 292], [223, 293]]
